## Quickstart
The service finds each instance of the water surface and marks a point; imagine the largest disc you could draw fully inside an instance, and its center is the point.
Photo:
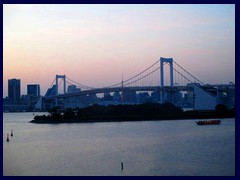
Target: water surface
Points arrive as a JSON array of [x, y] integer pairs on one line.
[[161, 148]]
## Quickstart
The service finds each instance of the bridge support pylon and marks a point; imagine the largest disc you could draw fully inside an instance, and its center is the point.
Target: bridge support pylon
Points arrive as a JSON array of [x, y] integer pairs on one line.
[[162, 61], [64, 86]]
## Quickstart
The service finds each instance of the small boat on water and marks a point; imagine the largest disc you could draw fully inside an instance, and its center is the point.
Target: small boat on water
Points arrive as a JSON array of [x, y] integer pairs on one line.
[[208, 122]]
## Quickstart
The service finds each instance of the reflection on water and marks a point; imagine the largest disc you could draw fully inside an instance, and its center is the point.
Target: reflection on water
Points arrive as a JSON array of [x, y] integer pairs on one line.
[[163, 148]]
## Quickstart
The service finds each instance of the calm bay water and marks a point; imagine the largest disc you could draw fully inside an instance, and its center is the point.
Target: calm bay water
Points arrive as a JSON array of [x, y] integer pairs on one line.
[[162, 148]]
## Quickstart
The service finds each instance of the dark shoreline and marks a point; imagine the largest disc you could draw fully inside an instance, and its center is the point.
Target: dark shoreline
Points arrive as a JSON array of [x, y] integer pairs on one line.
[[123, 113], [114, 120]]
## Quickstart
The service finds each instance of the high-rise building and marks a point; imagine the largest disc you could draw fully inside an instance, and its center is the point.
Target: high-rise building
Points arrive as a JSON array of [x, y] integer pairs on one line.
[[33, 89], [14, 90]]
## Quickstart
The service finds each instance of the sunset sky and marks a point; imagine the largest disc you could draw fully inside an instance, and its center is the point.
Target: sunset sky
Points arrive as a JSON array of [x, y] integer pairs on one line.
[[96, 44]]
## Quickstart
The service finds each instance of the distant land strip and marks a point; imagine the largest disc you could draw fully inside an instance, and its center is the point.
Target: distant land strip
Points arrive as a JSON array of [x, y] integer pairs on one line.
[[121, 113]]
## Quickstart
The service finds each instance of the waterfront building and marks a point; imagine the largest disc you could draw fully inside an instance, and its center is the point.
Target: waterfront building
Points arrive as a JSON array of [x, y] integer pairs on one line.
[[33, 90], [14, 90]]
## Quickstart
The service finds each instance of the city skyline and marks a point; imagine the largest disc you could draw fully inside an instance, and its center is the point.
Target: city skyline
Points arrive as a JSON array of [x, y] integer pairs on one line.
[[97, 44]]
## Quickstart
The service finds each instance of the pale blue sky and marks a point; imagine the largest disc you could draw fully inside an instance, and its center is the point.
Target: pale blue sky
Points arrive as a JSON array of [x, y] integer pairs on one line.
[[96, 44]]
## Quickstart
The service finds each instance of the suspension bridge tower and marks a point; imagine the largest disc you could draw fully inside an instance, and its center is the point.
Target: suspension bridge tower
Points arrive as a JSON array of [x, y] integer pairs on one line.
[[63, 77], [162, 62]]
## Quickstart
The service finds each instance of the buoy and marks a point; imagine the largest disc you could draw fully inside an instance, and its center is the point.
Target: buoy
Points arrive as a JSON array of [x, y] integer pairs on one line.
[[11, 133], [7, 137]]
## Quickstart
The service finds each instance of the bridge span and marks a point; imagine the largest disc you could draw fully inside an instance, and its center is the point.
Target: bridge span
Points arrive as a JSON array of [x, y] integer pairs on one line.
[[151, 79], [123, 89]]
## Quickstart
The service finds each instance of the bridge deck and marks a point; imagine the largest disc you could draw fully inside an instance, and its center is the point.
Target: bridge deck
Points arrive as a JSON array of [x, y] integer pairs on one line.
[[220, 88], [122, 89]]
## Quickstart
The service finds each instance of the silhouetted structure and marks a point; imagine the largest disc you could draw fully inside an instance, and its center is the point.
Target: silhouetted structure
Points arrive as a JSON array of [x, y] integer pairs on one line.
[[14, 90], [73, 88], [185, 90], [33, 89]]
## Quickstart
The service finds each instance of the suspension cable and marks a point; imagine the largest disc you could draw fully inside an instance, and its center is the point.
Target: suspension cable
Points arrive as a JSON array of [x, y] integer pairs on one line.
[[74, 85], [135, 75], [143, 76], [60, 82], [188, 72], [182, 74], [52, 82], [81, 85]]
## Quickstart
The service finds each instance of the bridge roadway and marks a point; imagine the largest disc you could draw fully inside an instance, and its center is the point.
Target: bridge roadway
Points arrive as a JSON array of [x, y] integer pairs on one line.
[[122, 89]]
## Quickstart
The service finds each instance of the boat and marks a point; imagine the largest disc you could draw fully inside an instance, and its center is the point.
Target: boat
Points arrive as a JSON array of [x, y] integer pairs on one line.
[[208, 122]]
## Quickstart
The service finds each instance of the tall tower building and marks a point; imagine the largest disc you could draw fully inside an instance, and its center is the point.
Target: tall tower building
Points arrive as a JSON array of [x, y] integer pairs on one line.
[[33, 89], [14, 90]]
